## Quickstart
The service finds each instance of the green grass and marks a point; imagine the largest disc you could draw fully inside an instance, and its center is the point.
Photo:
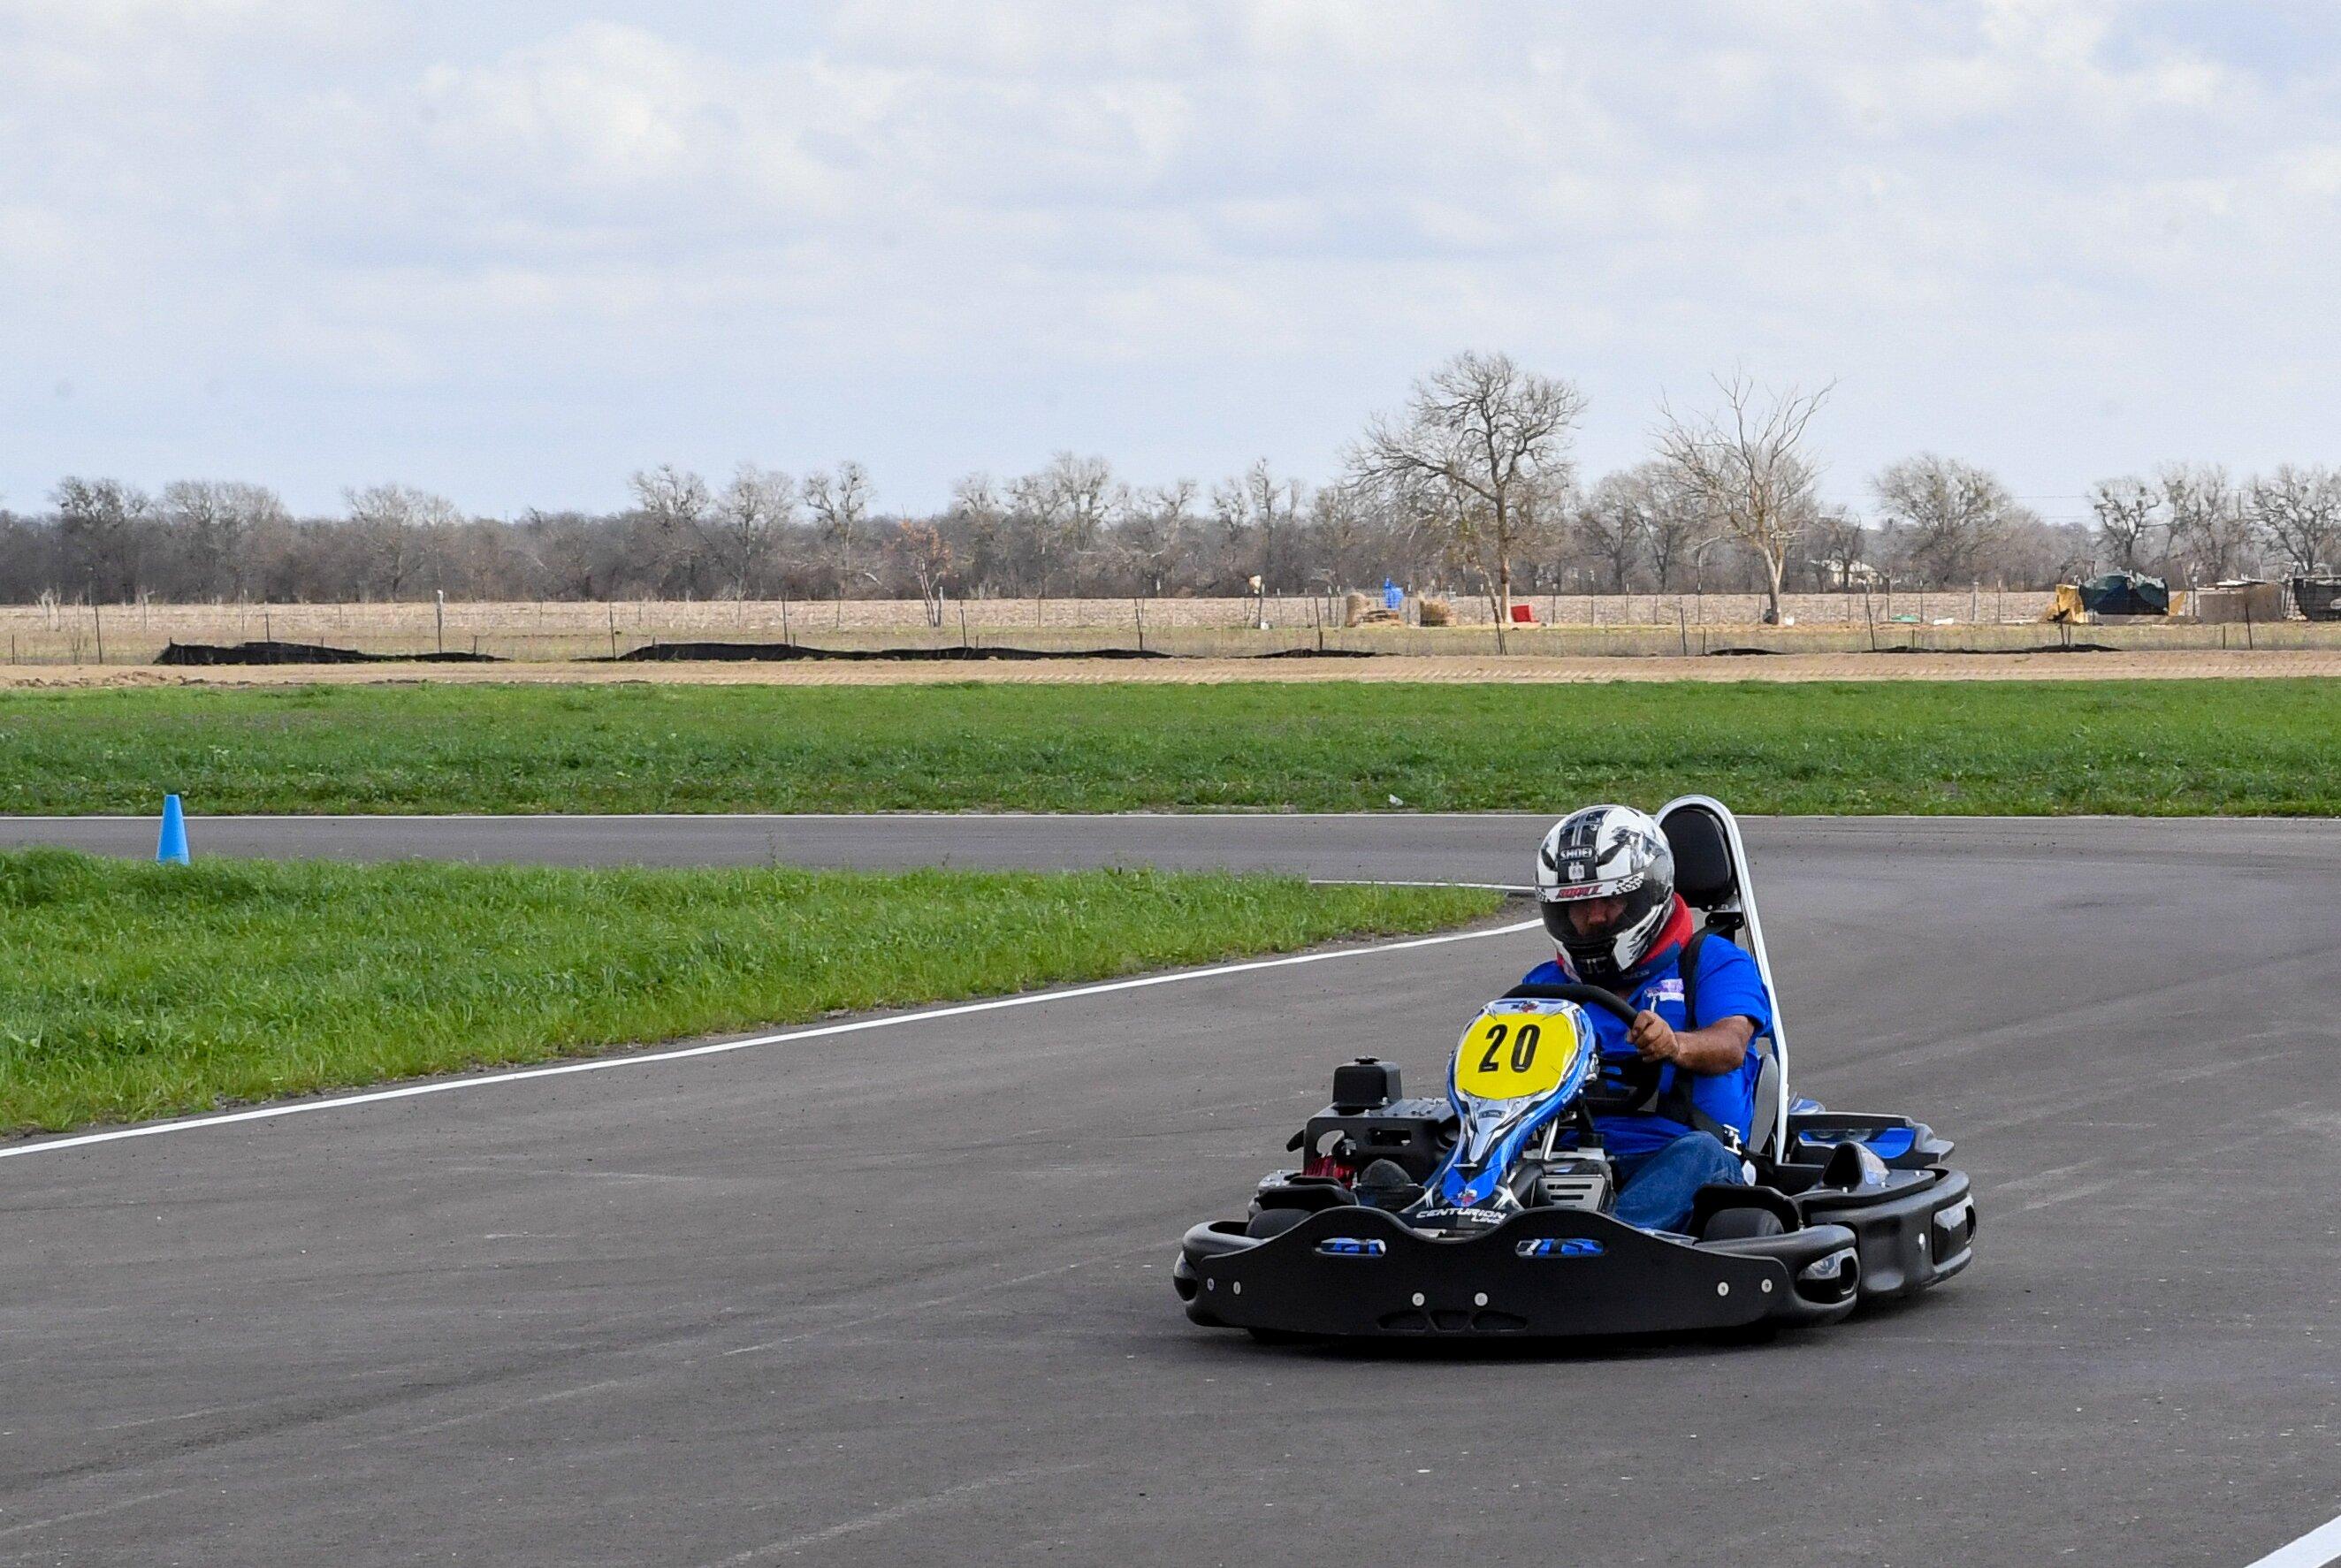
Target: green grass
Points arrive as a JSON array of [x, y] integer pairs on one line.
[[135, 991], [2175, 748]]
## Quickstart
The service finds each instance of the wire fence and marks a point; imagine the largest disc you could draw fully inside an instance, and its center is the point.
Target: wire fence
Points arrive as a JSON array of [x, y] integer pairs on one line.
[[1561, 626]]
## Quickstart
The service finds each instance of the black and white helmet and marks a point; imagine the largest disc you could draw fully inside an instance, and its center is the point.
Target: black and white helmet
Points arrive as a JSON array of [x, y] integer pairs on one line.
[[1606, 852]]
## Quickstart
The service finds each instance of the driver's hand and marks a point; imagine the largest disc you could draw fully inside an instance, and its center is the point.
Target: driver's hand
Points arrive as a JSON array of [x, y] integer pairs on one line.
[[1652, 1035]]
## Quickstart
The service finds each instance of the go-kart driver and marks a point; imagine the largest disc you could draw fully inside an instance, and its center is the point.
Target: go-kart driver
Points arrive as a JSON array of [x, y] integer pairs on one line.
[[1606, 888]]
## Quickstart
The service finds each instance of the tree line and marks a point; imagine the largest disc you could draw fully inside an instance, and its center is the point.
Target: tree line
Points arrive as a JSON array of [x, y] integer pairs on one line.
[[1471, 487]]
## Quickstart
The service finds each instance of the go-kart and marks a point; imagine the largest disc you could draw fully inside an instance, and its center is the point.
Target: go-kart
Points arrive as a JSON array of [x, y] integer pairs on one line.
[[1487, 1213]]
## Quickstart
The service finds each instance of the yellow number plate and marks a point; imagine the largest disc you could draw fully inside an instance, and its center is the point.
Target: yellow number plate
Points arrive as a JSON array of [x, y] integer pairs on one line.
[[1511, 1055]]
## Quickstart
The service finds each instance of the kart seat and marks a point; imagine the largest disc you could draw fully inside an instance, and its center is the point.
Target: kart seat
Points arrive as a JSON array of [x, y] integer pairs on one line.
[[1704, 874], [1707, 876]]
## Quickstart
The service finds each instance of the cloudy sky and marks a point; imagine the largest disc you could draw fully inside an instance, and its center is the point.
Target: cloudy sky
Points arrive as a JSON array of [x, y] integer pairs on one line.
[[513, 251]]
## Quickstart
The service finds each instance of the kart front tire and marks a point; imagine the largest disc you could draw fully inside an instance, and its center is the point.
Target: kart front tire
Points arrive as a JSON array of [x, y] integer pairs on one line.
[[1741, 1224], [1271, 1222]]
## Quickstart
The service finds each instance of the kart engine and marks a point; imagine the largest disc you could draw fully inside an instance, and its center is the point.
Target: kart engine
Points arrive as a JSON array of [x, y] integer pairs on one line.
[[1370, 1119]]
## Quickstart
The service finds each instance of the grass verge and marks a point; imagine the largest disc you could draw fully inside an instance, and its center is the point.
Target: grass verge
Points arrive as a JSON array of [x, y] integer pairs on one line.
[[136, 990], [2022, 748]]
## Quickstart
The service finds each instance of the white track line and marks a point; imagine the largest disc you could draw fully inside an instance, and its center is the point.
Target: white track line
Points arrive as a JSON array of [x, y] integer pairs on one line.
[[2317, 1549], [1386, 882], [721, 1048]]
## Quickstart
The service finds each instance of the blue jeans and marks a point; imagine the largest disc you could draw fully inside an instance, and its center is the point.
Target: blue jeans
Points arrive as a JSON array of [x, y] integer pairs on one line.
[[1654, 1189]]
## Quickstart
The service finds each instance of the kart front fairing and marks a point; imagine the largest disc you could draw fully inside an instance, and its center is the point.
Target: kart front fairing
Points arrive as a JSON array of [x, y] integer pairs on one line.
[[1519, 1068]]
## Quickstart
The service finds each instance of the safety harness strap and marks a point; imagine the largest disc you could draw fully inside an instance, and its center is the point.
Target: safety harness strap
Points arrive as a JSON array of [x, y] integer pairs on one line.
[[1674, 1102]]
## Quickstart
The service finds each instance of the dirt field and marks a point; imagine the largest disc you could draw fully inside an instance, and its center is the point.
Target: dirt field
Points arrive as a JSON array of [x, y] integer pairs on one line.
[[1638, 625], [2122, 666], [37, 634]]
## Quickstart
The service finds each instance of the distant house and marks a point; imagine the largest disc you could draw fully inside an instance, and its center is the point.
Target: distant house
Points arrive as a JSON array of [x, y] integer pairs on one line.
[[1834, 574]]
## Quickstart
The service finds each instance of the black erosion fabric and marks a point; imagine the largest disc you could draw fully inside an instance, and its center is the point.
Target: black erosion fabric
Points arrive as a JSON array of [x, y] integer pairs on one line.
[[304, 653], [185, 653]]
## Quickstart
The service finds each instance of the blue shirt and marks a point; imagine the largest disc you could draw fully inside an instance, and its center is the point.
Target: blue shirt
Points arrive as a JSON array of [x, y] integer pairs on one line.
[[1729, 986]]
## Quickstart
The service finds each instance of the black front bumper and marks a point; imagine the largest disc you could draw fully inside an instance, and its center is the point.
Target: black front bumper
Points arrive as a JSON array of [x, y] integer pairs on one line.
[[1594, 1276], [1355, 1272]]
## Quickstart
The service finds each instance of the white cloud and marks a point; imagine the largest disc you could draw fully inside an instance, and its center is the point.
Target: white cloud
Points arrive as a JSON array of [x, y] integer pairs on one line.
[[663, 231]]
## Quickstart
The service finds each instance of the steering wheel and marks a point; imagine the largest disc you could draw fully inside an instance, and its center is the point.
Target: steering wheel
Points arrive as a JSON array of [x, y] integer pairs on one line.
[[1571, 991], [1636, 1081]]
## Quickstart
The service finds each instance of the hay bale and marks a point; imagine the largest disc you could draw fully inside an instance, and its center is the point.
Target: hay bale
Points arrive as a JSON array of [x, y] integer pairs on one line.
[[2066, 607], [1437, 613]]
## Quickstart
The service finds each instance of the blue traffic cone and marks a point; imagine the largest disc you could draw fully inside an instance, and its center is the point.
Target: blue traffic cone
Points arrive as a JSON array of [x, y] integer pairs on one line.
[[171, 848]]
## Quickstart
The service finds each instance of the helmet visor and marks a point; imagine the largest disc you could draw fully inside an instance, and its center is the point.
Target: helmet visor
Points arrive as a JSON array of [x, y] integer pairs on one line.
[[1605, 932]]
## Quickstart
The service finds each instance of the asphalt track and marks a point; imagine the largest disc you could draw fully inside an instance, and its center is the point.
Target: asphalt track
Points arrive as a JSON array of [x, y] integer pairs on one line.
[[903, 1295]]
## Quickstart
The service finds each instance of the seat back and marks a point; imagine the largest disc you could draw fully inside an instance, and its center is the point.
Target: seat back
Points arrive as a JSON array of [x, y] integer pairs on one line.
[[1705, 874], [1711, 876]]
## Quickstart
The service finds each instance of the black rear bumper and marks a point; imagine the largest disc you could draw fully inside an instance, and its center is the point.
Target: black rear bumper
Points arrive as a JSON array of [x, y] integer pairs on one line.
[[1916, 1231]]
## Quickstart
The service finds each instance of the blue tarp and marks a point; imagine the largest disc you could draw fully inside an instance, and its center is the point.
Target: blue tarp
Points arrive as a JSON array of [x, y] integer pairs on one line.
[[2126, 593]]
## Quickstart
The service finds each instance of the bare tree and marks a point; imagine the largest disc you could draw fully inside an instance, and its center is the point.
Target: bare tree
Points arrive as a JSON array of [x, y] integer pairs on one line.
[[1258, 514], [979, 519], [1155, 531], [1746, 466], [840, 505], [1941, 516], [753, 509], [1065, 509], [1676, 521], [1481, 446], [399, 531], [2210, 527], [1035, 527], [2037, 553], [673, 503], [571, 555], [1838, 549], [921, 551], [2298, 512], [1613, 526], [212, 521], [1352, 540], [2128, 510], [101, 528]]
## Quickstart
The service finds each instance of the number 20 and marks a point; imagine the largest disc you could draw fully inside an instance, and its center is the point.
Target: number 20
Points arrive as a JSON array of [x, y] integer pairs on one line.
[[1524, 1045]]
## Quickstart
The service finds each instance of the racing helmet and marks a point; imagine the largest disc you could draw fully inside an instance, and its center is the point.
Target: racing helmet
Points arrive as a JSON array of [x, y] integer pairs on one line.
[[1606, 852]]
